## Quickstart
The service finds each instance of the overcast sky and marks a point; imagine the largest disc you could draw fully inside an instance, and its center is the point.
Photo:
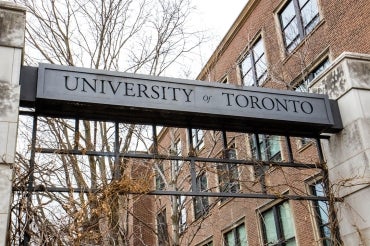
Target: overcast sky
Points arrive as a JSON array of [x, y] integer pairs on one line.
[[215, 16], [218, 15]]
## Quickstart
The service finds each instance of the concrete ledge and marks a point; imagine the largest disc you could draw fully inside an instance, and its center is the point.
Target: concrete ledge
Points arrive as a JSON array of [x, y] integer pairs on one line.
[[348, 71], [12, 24]]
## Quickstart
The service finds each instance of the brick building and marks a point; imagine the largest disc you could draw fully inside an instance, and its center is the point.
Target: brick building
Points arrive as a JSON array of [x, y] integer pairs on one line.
[[283, 44]]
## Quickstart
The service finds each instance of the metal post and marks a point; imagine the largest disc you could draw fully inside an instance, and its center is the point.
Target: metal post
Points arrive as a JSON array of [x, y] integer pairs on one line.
[[30, 184], [155, 139], [193, 173], [260, 168], [290, 152], [117, 173]]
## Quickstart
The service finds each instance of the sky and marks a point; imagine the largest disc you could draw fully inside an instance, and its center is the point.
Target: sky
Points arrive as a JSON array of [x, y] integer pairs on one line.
[[215, 16], [218, 15]]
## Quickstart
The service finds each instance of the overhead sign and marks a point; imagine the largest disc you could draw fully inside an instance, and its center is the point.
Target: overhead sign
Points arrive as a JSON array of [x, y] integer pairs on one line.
[[193, 101]]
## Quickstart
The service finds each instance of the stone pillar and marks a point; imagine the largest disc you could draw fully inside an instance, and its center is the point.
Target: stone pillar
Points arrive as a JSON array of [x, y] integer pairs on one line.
[[12, 29], [348, 152]]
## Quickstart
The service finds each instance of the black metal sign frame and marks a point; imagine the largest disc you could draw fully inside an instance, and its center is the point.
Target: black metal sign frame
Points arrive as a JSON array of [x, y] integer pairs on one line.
[[104, 95]]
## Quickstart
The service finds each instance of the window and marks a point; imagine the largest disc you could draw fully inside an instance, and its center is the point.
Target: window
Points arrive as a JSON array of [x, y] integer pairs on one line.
[[182, 212], [321, 209], [254, 67], [267, 149], [162, 232], [297, 19], [197, 137], [277, 225], [177, 151], [224, 80], [236, 236], [228, 172], [159, 182], [228, 177], [303, 86], [201, 203], [207, 242]]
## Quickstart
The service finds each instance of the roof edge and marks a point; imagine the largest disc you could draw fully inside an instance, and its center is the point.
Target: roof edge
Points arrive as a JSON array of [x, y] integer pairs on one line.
[[231, 33]]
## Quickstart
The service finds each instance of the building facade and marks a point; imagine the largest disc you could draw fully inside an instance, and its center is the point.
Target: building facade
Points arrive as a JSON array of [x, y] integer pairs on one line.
[[289, 45]]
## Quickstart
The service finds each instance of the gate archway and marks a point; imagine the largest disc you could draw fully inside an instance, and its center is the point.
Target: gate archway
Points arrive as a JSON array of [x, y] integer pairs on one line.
[[60, 145]]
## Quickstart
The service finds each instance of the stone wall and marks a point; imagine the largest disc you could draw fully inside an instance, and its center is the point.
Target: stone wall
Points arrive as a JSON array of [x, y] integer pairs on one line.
[[12, 26], [348, 152]]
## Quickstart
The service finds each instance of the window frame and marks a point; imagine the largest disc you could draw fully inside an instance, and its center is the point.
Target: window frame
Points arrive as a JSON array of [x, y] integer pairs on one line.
[[227, 182], [207, 242], [316, 209], [234, 230], [224, 79], [160, 183], [176, 150], [302, 86], [278, 224], [302, 28], [228, 173], [263, 140], [182, 213], [162, 227], [250, 55], [197, 136], [201, 203]]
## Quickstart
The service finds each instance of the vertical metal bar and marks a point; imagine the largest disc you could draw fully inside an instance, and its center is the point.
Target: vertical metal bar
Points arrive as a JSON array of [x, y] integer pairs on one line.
[[258, 147], [190, 142], [319, 151], [31, 179], [224, 141], [77, 133], [289, 145], [117, 172], [260, 169], [278, 223], [155, 139], [193, 173]]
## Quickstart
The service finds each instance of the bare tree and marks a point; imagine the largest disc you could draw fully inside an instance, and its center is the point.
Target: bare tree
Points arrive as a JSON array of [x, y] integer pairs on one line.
[[146, 36]]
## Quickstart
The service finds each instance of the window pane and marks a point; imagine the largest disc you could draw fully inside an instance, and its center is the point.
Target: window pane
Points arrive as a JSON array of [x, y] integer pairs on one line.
[[242, 235], [231, 154], [197, 136], [291, 34], [181, 207], [297, 21], [290, 242], [309, 12], [261, 68], [302, 3], [287, 14], [323, 210], [248, 79], [159, 182], [326, 231], [286, 221], [200, 202], [162, 228], [274, 145], [246, 64], [320, 68], [230, 238], [269, 226], [258, 50]]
